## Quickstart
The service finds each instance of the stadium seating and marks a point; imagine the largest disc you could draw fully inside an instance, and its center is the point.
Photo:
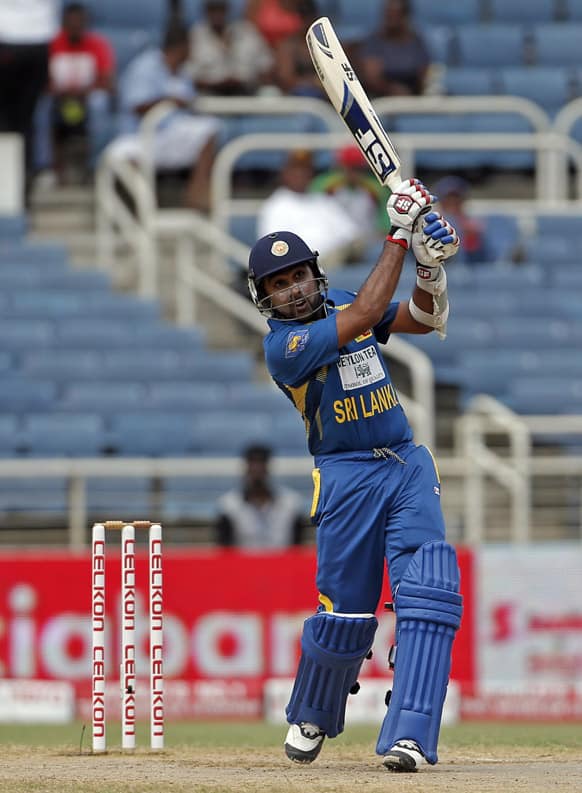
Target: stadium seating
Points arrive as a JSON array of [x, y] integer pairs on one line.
[[490, 45], [520, 10], [549, 87], [447, 12], [557, 44]]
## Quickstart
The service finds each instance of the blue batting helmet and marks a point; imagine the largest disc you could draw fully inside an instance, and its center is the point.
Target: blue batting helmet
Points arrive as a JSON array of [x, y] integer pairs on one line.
[[276, 252]]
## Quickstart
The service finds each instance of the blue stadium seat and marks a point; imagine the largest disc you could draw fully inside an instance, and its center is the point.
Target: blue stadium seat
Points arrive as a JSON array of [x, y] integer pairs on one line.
[[356, 21], [244, 228], [127, 43], [438, 39], [55, 304], [465, 81], [289, 437], [192, 10], [41, 495], [20, 395], [223, 433], [9, 435], [550, 87], [522, 11], [568, 227], [12, 227], [101, 334], [182, 396], [504, 236], [67, 434], [147, 14], [128, 496], [274, 160], [540, 395], [18, 334], [548, 249], [573, 10], [194, 496], [256, 396], [557, 44], [446, 160], [211, 365], [152, 434], [497, 277], [490, 45], [102, 396], [61, 364], [516, 159], [447, 12], [45, 254]]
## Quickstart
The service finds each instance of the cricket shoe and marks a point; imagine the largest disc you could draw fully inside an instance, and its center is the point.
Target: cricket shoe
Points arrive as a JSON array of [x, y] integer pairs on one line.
[[303, 742], [404, 756]]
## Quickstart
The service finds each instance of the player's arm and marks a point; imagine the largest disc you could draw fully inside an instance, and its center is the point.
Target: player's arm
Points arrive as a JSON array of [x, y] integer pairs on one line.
[[404, 207], [433, 242]]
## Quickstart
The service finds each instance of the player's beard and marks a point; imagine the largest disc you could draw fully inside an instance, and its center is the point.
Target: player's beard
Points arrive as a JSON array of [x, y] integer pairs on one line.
[[306, 306]]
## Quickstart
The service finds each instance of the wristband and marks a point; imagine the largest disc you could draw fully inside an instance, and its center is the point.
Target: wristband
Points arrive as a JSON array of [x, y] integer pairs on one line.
[[400, 236]]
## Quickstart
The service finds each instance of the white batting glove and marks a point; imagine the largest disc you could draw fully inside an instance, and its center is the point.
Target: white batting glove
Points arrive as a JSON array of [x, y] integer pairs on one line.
[[434, 240], [404, 207]]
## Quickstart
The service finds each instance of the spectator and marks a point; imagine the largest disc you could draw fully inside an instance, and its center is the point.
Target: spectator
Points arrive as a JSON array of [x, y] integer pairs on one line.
[[452, 193], [81, 69], [294, 70], [259, 514], [26, 29], [183, 140], [274, 19], [356, 189], [396, 61], [228, 58], [318, 217]]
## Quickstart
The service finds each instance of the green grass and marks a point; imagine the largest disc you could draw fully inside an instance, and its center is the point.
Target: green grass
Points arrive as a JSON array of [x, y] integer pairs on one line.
[[236, 734]]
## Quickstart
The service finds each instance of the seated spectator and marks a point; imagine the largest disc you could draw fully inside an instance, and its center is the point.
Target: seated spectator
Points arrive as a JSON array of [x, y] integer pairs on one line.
[[274, 19], [356, 189], [318, 218], [26, 30], [294, 72], [183, 140], [228, 58], [259, 514], [81, 69], [452, 193], [396, 61]]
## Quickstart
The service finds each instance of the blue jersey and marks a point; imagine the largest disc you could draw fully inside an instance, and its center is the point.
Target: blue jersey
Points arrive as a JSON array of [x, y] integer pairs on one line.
[[345, 395]]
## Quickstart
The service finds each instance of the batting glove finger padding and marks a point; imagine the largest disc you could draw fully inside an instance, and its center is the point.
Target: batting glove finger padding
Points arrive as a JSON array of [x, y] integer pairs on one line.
[[434, 239]]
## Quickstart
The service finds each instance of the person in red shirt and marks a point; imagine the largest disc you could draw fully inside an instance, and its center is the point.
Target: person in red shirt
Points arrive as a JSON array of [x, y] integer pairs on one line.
[[81, 70]]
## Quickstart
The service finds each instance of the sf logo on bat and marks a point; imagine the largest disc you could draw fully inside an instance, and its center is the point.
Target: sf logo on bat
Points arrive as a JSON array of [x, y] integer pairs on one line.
[[349, 72], [375, 152]]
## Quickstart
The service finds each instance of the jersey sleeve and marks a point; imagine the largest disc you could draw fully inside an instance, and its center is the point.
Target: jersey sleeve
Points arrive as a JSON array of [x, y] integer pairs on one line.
[[293, 354], [382, 329]]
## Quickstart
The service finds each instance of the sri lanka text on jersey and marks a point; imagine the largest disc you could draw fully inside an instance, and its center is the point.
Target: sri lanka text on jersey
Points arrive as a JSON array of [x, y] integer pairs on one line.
[[353, 408]]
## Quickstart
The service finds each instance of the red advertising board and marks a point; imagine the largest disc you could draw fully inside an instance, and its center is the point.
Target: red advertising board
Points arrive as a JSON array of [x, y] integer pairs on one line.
[[231, 620]]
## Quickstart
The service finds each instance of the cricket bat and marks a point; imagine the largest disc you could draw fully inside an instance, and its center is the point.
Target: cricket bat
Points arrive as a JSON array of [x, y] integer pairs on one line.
[[346, 94]]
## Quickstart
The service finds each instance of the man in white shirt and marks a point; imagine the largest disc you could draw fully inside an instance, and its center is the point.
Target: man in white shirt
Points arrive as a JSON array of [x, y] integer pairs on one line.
[[228, 57], [183, 139], [318, 218]]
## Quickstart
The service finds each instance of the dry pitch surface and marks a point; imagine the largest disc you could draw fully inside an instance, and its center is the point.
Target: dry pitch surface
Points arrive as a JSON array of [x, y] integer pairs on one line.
[[220, 758]]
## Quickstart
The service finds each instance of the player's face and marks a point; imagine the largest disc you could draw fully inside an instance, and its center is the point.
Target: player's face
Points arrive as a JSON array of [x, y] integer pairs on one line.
[[294, 292]]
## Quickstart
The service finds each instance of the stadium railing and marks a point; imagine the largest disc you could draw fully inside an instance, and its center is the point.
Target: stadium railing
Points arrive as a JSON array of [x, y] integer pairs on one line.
[[500, 481]]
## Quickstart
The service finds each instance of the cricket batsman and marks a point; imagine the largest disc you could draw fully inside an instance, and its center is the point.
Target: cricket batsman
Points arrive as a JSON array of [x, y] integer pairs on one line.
[[376, 493]]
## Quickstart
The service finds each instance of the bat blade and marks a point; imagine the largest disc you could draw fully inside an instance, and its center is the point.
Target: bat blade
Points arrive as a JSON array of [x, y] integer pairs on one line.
[[348, 97]]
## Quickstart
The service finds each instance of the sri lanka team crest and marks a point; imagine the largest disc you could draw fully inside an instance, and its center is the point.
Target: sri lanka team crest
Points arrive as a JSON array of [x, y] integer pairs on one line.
[[296, 341]]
